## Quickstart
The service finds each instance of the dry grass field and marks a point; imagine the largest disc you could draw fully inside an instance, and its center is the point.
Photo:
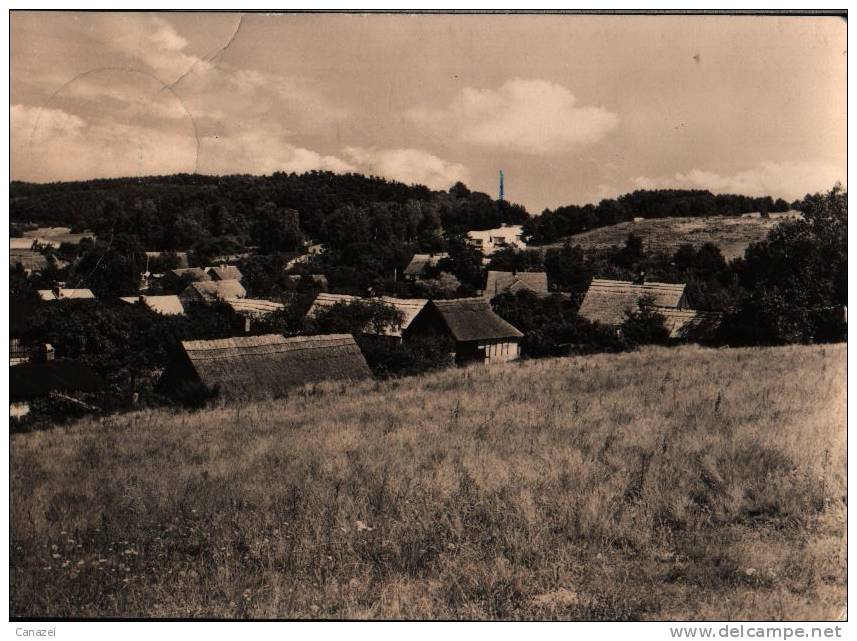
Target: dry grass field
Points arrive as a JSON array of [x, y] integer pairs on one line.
[[659, 484], [731, 234]]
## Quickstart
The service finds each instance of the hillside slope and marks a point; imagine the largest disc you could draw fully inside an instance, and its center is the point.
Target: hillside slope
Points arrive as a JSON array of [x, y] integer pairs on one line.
[[659, 484], [731, 234]]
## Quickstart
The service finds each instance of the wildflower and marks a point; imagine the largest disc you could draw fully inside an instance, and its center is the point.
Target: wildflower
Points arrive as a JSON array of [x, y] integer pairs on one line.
[[750, 571], [362, 526], [56, 556]]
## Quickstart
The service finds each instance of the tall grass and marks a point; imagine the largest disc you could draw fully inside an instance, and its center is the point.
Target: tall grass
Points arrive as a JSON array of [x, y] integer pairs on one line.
[[666, 484]]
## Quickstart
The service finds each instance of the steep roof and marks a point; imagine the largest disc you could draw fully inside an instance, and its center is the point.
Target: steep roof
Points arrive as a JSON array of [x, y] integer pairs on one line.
[[211, 290], [225, 272], [409, 307], [607, 300], [49, 294], [28, 259], [472, 319], [168, 305], [689, 323], [498, 282], [271, 365], [420, 262], [31, 380], [253, 307]]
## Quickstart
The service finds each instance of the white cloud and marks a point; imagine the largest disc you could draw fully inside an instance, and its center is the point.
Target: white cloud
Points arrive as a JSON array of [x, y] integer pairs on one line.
[[528, 116], [788, 179], [408, 166], [151, 40]]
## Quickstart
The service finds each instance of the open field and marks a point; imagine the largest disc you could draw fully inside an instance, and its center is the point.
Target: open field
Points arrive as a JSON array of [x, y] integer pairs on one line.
[[660, 484], [732, 235]]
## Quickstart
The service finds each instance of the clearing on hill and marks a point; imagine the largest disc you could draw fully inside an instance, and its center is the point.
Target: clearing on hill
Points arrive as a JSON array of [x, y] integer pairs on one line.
[[731, 234], [680, 484]]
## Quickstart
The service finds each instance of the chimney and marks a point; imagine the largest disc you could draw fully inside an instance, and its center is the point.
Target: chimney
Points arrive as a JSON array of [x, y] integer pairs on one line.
[[49, 352], [246, 324]]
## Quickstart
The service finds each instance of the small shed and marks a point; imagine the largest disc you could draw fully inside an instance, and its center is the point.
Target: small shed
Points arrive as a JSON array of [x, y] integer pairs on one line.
[[607, 300], [480, 335], [498, 282], [269, 366], [210, 291]]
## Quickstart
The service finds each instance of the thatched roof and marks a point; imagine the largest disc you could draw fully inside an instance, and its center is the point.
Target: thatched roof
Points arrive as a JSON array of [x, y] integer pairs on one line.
[[63, 294], [606, 300], [271, 365], [191, 274], [497, 283], [210, 291], [420, 262], [168, 305], [253, 307], [689, 323], [32, 380], [409, 307], [27, 259], [225, 272], [472, 319]]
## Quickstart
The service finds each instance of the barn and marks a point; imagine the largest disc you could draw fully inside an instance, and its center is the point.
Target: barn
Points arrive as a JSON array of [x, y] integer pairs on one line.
[[480, 335], [62, 293], [269, 366], [497, 282], [607, 300], [166, 305]]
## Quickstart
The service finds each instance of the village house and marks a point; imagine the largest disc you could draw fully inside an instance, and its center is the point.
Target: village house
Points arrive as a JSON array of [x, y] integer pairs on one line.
[[21, 344], [67, 379], [225, 272], [608, 302], [209, 291], [489, 241], [480, 335], [177, 280], [497, 282], [167, 305], [260, 367], [409, 308], [63, 293], [420, 263]]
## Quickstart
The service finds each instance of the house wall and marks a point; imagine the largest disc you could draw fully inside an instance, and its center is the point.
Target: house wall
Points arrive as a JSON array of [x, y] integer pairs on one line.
[[19, 409], [500, 351]]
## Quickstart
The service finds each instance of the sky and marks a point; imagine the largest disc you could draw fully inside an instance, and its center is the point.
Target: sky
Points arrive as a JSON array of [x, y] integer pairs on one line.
[[572, 108]]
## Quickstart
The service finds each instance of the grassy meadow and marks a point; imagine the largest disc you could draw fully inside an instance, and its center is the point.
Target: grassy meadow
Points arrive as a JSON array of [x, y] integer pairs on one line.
[[660, 484], [731, 234]]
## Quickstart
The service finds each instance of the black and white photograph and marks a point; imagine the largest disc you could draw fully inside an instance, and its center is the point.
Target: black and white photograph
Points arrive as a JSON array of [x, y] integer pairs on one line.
[[462, 316]]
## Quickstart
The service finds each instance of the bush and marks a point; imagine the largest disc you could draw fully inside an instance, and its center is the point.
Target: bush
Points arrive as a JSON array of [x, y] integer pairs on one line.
[[644, 326]]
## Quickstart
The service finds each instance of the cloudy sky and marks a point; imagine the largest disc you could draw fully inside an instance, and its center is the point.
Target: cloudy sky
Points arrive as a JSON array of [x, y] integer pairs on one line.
[[572, 108]]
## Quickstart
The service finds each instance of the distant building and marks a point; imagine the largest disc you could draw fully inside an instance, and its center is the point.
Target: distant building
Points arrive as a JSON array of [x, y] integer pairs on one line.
[[420, 263], [318, 280], [254, 308], [225, 272], [167, 305], [21, 344], [62, 293], [480, 335], [497, 282], [409, 308], [51, 236], [489, 241], [269, 366], [210, 291]]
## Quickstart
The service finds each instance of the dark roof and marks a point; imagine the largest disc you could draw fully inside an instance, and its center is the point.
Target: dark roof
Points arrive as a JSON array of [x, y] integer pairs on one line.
[[497, 283], [472, 319], [269, 366], [212, 290], [191, 274], [32, 380], [607, 300]]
